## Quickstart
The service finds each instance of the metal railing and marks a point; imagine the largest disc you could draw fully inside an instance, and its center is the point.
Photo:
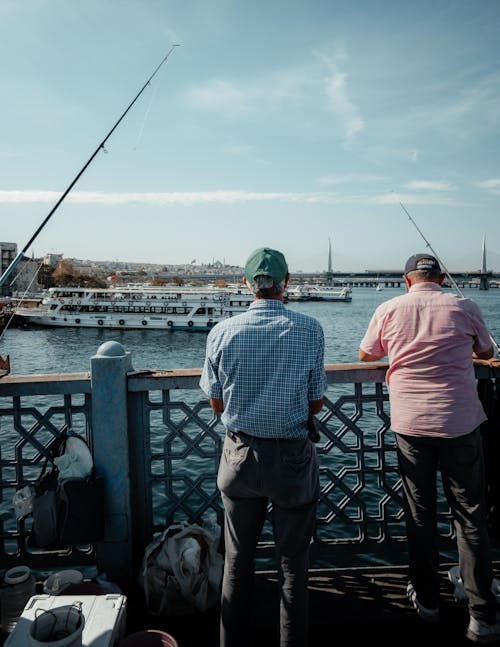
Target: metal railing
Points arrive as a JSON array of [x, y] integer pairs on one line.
[[158, 445]]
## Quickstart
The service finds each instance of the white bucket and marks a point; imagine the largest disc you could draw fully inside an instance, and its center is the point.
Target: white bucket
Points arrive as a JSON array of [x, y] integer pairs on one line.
[[59, 627], [19, 586]]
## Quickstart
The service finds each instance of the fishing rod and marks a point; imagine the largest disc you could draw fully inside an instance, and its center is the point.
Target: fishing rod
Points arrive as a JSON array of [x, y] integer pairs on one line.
[[443, 267], [100, 147]]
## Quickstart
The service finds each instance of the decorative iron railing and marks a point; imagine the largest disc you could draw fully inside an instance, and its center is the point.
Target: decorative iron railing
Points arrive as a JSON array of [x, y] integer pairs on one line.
[[158, 445]]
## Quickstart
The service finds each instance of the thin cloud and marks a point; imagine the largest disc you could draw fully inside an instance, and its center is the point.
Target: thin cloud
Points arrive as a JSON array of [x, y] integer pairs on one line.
[[454, 111], [430, 185], [239, 149], [346, 179], [193, 198], [320, 84], [492, 185], [219, 94], [336, 89], [412, 198], [258, 96]]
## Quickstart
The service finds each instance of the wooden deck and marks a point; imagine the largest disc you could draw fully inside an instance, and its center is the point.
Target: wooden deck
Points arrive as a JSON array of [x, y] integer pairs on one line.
[[348, 606], [363, 606]]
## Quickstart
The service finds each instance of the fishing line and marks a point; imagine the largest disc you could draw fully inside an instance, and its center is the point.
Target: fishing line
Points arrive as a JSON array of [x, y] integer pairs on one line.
[[146, 115], [100, 147], [443, 267], [20, 301]]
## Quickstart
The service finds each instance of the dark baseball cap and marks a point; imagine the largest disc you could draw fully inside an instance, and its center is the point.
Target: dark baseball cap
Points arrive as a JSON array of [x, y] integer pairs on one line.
[[422, 262]]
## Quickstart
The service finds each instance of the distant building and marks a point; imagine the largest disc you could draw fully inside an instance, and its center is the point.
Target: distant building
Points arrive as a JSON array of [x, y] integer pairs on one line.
[[52, 259], [25, 277], [8, 252]]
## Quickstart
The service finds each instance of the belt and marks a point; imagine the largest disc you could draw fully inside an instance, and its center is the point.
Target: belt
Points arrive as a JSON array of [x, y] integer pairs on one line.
[[235, 435]]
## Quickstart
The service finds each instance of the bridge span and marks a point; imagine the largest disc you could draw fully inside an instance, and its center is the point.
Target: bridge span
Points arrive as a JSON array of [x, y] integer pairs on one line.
[[393, 278]]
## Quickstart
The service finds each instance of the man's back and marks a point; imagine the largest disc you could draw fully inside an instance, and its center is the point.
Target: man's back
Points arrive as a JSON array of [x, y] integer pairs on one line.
[[429, 337], [267, 364]]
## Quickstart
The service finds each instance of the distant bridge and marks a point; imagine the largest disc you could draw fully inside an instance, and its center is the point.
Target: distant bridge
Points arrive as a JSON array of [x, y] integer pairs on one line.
[[393, 278], [482, 279], [387, 278]]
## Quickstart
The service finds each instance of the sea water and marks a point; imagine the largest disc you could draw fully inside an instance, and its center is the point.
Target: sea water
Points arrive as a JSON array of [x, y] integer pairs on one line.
[[68, 350]]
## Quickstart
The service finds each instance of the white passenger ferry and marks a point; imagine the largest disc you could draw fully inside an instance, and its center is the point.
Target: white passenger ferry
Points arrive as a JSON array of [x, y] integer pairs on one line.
[[164, 308]]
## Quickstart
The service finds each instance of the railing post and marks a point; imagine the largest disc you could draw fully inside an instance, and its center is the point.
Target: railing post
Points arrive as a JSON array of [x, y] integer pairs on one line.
[[109, 369]]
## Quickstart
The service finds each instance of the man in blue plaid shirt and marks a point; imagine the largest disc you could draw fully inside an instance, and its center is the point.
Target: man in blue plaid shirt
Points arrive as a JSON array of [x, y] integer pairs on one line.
[[264, 374]]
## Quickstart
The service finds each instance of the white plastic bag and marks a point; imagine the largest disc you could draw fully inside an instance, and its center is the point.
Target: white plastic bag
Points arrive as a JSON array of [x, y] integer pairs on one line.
[[182, 570], [23, 502]]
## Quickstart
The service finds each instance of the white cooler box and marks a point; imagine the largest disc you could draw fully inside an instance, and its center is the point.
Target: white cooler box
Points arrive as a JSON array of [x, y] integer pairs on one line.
[[105, 618]]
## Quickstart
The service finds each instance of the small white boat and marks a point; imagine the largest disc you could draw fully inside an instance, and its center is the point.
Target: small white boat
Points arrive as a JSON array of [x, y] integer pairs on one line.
[[379, 287], [137, 307], [297, 293], [319, 293], [326, 293]]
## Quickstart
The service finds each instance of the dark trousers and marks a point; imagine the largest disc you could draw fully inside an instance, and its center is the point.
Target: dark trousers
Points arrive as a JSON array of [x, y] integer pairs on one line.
[[252, 473], [460, 461]]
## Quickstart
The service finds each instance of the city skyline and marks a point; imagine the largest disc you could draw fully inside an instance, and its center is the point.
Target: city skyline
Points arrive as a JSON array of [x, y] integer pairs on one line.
[[281, 124], [220, 264]]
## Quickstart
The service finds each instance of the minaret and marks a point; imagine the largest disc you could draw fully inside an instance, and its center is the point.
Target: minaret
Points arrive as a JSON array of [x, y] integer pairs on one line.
[[329, 271], [483, 277]]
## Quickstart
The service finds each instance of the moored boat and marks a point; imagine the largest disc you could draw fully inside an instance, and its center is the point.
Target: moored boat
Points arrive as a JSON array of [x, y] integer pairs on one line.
[[319, 293], [297, 293], [326, 293], [137, 307]]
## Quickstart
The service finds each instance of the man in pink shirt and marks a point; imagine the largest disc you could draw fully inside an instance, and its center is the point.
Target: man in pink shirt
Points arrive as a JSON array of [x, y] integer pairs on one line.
[[430, 338]]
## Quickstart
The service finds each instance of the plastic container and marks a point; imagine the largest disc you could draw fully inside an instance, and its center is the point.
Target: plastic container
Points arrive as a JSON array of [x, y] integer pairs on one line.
[[19, 586], [104, 620], [59, 627], [56, 583], [149, 638]]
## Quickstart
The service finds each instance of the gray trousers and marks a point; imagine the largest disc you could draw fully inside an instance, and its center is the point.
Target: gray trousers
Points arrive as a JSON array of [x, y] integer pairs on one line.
[[252, 473], [460, 461]]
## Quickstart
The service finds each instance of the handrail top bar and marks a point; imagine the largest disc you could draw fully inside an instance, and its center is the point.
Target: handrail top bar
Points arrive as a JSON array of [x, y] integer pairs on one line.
[[188, 378]]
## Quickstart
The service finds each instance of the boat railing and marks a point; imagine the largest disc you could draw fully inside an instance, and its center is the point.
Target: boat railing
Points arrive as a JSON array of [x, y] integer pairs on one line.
[[158, 444]]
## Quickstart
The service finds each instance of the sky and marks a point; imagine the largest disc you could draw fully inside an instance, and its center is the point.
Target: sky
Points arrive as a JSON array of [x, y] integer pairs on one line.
[[281, 123]]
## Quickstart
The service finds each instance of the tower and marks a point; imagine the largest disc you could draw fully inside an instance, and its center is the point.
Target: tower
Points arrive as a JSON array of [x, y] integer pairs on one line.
[[329, 272], [483, 277]]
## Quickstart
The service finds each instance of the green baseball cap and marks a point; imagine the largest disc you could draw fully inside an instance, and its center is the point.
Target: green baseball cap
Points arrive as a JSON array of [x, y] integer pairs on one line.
[[266, 262]]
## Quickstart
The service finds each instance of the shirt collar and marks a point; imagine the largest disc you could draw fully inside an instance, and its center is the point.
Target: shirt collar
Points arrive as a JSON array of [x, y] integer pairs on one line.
[[271, 304], [421, 287]]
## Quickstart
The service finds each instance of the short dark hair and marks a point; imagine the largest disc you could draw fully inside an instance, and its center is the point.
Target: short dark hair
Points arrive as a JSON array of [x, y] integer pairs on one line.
[[426, 275]]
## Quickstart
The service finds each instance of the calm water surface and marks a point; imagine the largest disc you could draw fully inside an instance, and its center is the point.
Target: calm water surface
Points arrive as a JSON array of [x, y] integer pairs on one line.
[[67, 350]]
